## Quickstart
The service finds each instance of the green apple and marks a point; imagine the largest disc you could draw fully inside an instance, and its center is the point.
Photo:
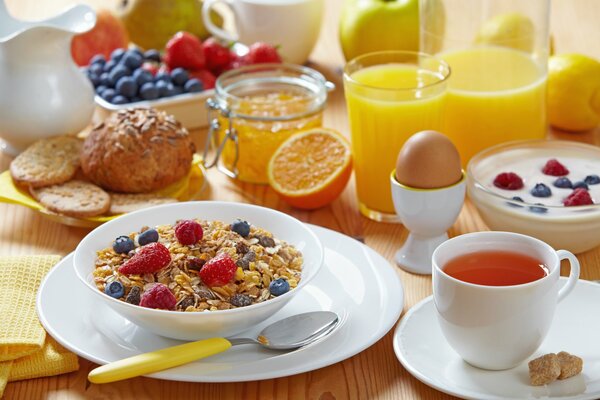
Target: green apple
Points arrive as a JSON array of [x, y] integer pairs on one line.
[[375, 25]]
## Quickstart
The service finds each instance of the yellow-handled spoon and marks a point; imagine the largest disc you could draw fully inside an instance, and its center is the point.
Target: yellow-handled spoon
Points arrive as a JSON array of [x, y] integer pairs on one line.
[[286, 334]]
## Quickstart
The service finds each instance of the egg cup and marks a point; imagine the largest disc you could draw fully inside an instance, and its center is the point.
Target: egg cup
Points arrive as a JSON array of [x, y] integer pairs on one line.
[[427, 214]]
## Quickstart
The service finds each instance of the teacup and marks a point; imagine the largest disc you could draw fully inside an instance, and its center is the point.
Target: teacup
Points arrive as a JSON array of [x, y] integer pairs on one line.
[[498, 327], [292, 25]]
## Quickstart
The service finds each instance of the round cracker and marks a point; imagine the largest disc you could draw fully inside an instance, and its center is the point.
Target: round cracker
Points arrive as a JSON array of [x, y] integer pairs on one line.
[[74, 198], [122, 203], [47, 162]]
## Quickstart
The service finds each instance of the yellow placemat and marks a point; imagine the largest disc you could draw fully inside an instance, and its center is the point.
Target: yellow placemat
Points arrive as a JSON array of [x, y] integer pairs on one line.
[[25, 349]]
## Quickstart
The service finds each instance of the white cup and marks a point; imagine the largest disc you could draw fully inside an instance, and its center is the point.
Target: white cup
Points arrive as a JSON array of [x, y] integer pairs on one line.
[[498, 327], [293, 25]]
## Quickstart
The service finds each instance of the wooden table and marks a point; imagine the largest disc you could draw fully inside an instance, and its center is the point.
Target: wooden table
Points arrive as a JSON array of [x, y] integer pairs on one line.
[[373, 374]]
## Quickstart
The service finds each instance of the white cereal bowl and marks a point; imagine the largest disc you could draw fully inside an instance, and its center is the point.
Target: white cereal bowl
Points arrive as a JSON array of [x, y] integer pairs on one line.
[[199, 325]]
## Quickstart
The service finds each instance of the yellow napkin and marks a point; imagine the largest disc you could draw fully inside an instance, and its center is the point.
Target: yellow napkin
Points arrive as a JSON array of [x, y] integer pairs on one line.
[[25, 350]]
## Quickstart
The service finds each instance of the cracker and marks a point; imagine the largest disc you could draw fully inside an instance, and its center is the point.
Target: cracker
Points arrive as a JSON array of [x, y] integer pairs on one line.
[[124, 203], [570, 365], [544, 370], [47, 162], [74, 198]]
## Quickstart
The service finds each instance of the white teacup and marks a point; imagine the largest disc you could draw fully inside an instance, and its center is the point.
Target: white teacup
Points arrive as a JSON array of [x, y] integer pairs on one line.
[[293, 25], [498, 327]]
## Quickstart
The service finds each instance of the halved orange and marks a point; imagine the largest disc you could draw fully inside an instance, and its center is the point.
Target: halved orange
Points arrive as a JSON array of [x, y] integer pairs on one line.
[[311, 168]]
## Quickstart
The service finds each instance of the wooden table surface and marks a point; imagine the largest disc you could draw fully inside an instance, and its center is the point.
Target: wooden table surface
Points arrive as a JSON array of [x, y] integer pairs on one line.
[[373, 374]]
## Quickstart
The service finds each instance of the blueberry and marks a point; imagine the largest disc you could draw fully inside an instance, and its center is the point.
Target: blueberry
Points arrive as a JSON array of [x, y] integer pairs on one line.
[[142, 76], [177, 90], [127, 87], [95, 79], [117, 54], [563, 183], [170, 90], [95, 69], [98, 59], [104, 79], [541, 190], [179, 76], [163, 88], [109, 66], [240, 227], [100, 89], [279, 287], [148, 236], [115, 289], [580, 184], [123, 245], [193, 86], [132, 60], [592, 179], [136, 99], [137, 51], [162, 76], [117, 73], [148, 91], [152, 55], [516, 198], [539, 210], [108, 95], [119, 100]]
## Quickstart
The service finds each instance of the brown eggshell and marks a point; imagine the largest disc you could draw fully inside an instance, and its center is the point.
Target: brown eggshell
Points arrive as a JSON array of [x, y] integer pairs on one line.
[[428, 160]]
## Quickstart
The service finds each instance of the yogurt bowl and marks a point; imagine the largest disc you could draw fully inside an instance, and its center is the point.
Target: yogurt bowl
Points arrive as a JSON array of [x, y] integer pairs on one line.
[[574, 228], [198, 325]]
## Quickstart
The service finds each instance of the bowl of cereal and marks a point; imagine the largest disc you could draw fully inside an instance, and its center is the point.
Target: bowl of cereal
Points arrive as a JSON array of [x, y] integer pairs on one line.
[[548, 189], [198, 269]]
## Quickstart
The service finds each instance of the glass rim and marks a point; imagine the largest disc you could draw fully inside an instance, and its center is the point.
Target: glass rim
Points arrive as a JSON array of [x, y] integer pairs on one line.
[[347, 76]]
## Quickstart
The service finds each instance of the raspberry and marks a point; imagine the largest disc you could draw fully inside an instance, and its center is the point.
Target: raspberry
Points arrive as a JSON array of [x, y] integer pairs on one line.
[[158, 296], [218, 271], [555, 168], [149, 259], [508, 181], [579, 197], [188, 232]]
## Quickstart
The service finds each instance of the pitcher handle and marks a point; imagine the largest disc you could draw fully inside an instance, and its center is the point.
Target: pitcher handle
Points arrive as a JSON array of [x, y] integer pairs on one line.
[[207, 5], [573, 275]]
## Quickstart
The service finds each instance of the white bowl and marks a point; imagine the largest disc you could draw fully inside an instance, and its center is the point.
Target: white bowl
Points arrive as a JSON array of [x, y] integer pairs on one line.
[[199, 325]]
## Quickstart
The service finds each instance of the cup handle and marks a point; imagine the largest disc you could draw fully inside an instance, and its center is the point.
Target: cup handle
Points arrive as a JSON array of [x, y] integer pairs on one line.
[[573, 275], [207, 5]]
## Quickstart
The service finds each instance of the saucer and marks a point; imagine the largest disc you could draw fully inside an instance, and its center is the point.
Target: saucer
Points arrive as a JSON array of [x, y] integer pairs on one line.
[[356, 283], [422, 349]]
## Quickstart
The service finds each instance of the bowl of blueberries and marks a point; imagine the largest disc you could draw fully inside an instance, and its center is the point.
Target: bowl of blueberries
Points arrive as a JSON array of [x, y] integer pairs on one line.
[[133, 78], [549, 189]]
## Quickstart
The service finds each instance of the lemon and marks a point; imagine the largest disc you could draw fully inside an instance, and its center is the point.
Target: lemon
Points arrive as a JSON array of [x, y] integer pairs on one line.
[[573, 92], [510, 30]]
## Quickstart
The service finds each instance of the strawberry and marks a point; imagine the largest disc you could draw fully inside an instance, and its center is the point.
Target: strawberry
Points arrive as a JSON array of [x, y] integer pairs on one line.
[[218, 271], [261, 52], [188, 232], [205, 76], [217, 56], [184, 50], [158, 296], [149, 259]]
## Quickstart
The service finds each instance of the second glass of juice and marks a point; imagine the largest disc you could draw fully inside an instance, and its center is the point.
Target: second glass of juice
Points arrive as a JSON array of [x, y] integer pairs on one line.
[[390, 95]]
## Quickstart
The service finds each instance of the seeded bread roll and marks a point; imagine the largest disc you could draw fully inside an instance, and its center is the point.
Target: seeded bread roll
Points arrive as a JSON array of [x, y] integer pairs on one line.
[[137, 150]]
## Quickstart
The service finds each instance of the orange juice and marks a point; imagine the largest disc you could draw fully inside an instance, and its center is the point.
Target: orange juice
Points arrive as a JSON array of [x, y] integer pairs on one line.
[[495, 94], [387, 103]]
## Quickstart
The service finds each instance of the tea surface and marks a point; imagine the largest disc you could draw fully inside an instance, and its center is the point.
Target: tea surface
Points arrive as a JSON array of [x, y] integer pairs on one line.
[[496, 268]]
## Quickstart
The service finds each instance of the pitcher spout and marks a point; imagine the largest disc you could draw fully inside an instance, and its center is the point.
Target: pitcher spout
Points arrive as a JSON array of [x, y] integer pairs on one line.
[[74, 20]]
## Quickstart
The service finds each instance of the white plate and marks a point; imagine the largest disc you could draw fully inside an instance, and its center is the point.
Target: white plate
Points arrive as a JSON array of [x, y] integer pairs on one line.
[[355, 282], [422, 349]]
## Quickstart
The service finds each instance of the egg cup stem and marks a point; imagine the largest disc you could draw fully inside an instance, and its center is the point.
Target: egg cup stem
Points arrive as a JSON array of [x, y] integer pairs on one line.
[[415, 255]]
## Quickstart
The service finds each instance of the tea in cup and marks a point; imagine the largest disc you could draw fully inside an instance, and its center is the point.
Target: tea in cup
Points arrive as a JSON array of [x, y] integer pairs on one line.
[[496, 293]]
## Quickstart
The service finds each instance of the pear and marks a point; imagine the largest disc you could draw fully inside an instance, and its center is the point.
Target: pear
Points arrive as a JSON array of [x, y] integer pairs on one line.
[[151, 23]]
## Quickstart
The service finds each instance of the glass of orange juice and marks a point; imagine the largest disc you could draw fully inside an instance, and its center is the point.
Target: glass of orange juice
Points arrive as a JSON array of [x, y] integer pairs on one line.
[[498, 53], [390, 96]]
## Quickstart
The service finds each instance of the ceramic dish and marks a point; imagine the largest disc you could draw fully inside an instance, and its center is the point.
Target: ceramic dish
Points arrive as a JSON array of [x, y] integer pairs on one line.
[[422, 349], [197, 325], [369, 284], [186, 189], [576, 229]]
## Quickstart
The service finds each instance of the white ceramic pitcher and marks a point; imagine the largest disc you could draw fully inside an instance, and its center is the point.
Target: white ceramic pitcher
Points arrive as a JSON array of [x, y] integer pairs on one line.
[[42, 91]]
